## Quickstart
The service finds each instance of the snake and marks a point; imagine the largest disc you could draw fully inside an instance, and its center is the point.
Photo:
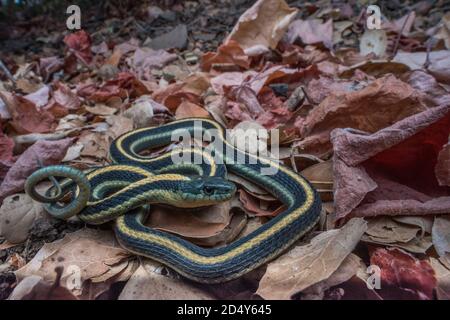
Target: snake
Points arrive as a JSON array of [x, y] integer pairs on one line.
[[123, 191]]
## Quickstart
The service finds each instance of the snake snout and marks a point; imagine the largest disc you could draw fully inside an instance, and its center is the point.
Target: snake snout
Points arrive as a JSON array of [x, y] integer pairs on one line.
[[218, 188]]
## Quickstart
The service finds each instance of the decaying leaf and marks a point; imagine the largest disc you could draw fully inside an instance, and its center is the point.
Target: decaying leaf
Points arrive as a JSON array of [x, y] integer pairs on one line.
[[264, 24], [402, 275], [190, 110], [438, 67], [441, 236], [311, 32], [387, 231], [370, 109], [348, 268], [373, 171], [306, 265], [17, 214], [208, 226], [442, 278], [26, 118], [47, 152], [86, 254], [147, 283], [146, 112]]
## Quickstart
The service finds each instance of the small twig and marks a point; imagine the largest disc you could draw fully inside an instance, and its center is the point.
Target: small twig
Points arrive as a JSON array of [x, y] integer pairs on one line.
[[7, 72], [397, 41], [429, 44]]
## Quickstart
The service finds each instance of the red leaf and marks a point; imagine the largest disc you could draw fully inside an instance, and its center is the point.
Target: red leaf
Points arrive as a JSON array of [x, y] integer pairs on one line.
[[229, 52], [26, 118], [48, 152], [79, 43], [392, 172], [123, 86], [402, 275]]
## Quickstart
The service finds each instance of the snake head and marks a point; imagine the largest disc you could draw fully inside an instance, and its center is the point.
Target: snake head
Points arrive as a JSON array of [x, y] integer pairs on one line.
[[203, 191]]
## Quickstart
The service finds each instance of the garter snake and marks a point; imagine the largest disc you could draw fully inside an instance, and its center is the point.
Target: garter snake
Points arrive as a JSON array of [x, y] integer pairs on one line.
[[122, 191]]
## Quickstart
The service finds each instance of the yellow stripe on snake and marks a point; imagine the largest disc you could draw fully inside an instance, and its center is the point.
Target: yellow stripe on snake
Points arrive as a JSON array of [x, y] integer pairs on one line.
[[122, 192]]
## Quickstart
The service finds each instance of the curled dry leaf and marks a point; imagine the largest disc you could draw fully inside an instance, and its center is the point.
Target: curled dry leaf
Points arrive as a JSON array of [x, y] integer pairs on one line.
[[370, 109], [439, 63], [17, 214], [26, 118], [188, 110], [258, 205], [320, 175], [47, 152], [402, 275], [88, 252], [79, 44], [264, 24], [307, 265], [65, 97], [433, 93], [146, 112], [124, 85], [146, 59], [441, 237], [209, 226], [442, 168], [348, 268], [387, 231], [230, 53], [373, 170], [311, 31], [39, 97], [101, 110], [147, 283]]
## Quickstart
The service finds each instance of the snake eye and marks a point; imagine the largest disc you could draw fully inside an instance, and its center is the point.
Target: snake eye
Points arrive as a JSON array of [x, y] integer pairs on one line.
[[208, 190]]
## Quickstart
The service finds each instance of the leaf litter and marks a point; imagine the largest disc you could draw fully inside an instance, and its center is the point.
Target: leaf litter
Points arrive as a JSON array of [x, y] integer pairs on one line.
[[363, 114]]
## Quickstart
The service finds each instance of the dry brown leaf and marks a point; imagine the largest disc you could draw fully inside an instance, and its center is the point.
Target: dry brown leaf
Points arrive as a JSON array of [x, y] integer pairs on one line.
[[381, 103], [311, 31], [146, 112], [101, 110], [230, 53], [86, 252], [386, 231], [149, 284], [188, 110], [17, 214], [443, 279], [439, 61], [306, 265], [348, 268], [264, 24], [258, 205], [207, 226], [403, 276], [441, 235]]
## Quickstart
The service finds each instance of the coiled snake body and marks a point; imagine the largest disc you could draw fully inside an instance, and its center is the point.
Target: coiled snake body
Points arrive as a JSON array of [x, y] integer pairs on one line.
[[122, 191]]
